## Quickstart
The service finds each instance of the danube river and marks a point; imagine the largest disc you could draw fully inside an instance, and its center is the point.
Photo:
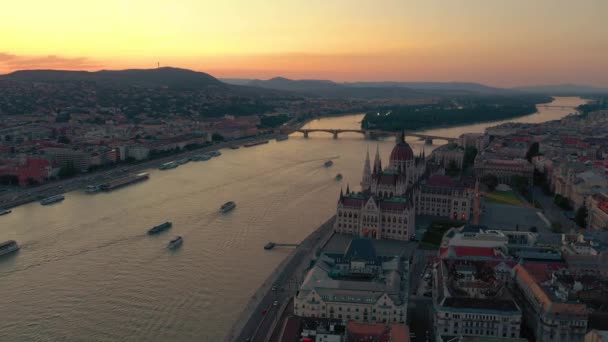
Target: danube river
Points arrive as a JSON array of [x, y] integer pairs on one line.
[[88, 272]]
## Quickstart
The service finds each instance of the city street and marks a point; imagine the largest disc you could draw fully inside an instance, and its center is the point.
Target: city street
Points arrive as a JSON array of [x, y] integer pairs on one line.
[[554, 213]]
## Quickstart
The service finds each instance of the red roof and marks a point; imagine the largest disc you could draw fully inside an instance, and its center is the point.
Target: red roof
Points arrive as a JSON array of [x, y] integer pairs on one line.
[[360, 332], [353, 202], [401, 152], [460, 251], [394, 206], [541, 272]]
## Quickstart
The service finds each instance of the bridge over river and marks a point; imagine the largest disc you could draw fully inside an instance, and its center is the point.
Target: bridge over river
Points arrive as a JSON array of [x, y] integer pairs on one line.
[[370, 133]]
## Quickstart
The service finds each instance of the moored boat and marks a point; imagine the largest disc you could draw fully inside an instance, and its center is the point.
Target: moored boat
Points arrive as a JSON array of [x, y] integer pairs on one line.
[[235, 147], [282, 137], [90, 189], [226, 207], [339, 176], [8, 247], [215, 153], [52, 199], [124, 181], [175, 243], [168, 166], [182, 161], [269, 245], [328, 163], [5, 212], [160, 228], [255, 143]]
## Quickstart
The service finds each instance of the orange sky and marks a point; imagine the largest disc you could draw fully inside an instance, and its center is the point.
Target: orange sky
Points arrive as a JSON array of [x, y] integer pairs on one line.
[[502, 43]]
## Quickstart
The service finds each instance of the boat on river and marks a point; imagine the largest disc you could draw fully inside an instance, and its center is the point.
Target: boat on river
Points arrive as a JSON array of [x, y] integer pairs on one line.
[[255, 143], [160, 228], [8, 247], [91, 189], [282, 137], [168, 166], [175, 243], [228, 206], [328, 163], [52, 199], [339, 177], [124, 181], [5, 211]]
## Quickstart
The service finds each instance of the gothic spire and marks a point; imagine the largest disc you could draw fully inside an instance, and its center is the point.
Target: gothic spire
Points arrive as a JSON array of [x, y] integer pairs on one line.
[[377, 161], [347, 189], [367, 173], [401, 138]]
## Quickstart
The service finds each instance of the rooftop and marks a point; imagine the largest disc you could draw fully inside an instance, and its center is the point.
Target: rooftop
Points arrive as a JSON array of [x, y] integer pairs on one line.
[[481, 304]]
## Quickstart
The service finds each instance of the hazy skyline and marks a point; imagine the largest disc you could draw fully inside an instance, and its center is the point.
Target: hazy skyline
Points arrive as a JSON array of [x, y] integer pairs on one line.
[[502, 43]]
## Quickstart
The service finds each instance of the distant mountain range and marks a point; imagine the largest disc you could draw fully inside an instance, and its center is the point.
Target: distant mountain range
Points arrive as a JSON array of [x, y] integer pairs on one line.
[[187, 79], [563, 89], [368, 89]]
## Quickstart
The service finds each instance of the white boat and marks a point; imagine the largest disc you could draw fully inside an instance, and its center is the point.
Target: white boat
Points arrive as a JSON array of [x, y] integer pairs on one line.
[[52, 199], [8, 247], [168, 166], [226, 207], [92, 189], [175, 243]]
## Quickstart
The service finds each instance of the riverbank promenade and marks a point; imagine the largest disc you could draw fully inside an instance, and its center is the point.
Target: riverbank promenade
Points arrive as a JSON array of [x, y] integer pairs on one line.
[[261, 315]]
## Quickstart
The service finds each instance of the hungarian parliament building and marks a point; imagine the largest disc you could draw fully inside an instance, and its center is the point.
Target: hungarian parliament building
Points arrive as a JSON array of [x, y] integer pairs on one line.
[[391, 197]]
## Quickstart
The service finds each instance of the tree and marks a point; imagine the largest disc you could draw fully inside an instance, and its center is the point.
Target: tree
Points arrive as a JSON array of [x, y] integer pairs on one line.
[[469, 156], [562, 202], [217, 137], [533, 151], [489, 180], [581, 217], [519, 183], [62, 139], [68, 170], [452, 169]]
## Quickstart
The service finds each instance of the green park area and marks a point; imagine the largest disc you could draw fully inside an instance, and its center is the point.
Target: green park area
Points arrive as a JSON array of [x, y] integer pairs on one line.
[[434, 233], [504, 197]]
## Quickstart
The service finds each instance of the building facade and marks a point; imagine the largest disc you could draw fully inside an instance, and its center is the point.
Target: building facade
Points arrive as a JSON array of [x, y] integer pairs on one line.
[[391, 197], [357, 285]]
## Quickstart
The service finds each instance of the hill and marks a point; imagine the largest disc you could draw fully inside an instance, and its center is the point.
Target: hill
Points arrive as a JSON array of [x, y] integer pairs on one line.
[[563, 89], [327, 88], [436, 87], [161, 77], [371, 89]]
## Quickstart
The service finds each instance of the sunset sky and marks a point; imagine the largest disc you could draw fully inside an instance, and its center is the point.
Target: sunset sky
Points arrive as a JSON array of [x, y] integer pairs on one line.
[[502, 43]]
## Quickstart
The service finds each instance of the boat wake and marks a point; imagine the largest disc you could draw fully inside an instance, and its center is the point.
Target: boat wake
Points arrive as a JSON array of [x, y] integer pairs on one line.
[[28, 246]]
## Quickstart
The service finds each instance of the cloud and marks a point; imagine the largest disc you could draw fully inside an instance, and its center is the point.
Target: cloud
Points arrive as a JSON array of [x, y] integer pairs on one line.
[[11, 62]]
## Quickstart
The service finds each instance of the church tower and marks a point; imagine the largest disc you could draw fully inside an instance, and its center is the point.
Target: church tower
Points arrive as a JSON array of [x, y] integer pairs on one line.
[[366, 181]]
